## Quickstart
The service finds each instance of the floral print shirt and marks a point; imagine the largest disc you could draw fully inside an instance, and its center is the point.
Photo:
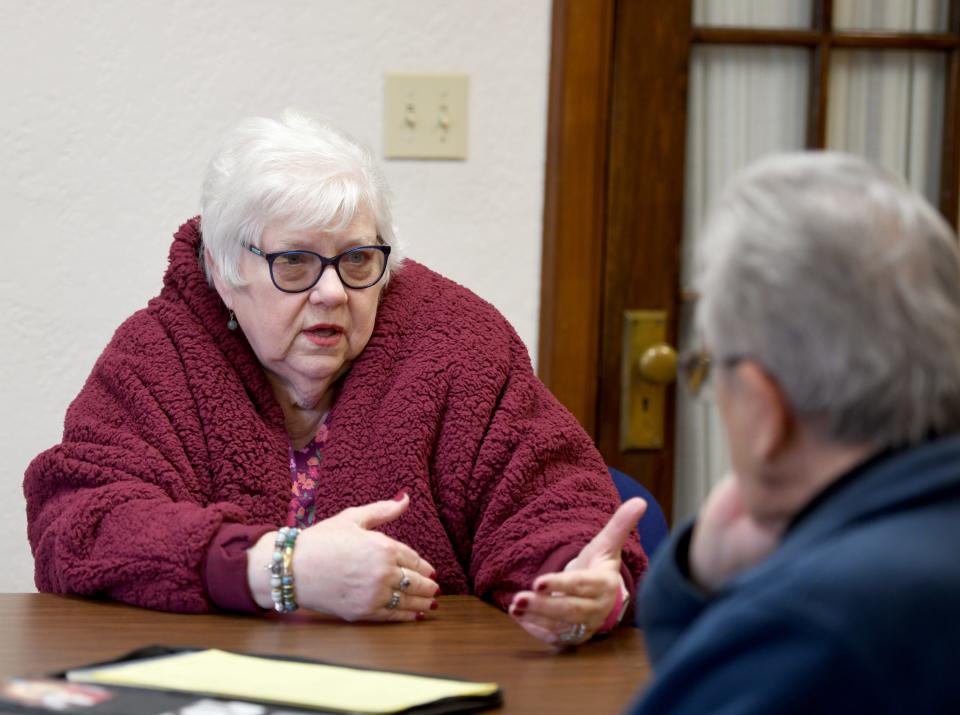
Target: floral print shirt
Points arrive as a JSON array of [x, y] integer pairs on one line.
[[305, 474]]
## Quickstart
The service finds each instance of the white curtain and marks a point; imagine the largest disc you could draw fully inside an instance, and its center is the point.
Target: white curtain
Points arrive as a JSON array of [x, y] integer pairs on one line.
[[888, 105], [894, 15], [753, 13], [745, 102]]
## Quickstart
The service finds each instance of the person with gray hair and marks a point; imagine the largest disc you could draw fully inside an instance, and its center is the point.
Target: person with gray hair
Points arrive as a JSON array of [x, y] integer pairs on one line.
[[822, 574], [301, 418]]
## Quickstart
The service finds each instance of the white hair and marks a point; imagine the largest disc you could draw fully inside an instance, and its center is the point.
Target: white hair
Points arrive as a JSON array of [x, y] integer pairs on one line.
[[301, 172], [844, 285]]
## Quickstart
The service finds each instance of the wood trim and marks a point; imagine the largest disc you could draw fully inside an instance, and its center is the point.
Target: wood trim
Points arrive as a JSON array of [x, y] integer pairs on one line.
[[575, 203], [895, 40], [819, 92], [950, 167], [744, 36], [813, 38]]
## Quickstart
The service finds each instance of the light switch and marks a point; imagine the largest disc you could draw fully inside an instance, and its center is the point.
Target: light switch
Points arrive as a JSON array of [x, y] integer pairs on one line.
[[425, 116]]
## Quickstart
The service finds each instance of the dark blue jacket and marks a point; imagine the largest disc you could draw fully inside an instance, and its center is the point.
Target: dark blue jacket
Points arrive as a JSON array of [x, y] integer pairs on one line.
[[857, 611]]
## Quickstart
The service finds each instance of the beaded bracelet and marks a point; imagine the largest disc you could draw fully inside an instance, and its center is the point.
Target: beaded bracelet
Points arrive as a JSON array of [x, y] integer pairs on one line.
[[281, 571]]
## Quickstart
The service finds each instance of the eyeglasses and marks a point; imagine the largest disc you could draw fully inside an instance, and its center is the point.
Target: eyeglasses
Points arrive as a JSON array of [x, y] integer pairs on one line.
[[695, 367], [299, 271]]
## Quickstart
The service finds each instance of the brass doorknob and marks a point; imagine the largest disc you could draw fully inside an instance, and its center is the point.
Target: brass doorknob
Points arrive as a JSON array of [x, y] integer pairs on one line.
[[658, 364]]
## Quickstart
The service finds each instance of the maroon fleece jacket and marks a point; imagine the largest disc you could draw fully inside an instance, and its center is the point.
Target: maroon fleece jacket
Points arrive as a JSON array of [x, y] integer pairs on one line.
[[176, 437]]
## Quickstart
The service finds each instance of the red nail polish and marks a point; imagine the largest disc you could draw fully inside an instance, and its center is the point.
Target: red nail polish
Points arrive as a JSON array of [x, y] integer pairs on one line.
[[434, 605], [421, 615], [522, 603], [542, 586], [437, 592], [400, 495]]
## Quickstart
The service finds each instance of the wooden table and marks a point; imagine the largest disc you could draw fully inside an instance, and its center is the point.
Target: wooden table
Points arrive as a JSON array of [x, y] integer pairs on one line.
[[466, 638]]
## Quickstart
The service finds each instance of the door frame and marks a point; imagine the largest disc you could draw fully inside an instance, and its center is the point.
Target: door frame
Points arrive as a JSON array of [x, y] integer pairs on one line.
[[615, 161], [574, 217]]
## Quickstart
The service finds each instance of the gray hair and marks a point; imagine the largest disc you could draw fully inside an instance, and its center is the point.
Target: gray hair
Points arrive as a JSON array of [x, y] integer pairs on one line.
[[844, 285], [297, 171]]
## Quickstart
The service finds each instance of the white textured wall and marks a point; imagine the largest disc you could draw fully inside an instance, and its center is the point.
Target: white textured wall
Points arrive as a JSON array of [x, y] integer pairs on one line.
[[110, 110]]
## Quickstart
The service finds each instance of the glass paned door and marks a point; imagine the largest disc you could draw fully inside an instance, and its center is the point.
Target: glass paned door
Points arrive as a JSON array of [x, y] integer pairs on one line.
[[877, 90], [744, 102]]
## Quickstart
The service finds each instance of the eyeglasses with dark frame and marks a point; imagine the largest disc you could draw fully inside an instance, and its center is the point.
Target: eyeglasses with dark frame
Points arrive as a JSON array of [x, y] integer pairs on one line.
[[695, 367], [299, 271]]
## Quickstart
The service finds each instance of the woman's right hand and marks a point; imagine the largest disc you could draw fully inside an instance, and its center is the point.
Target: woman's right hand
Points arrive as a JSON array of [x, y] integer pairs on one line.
[[343, 568]]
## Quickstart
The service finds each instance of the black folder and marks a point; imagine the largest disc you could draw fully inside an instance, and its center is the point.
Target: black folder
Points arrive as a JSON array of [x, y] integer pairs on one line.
[[57, 694]]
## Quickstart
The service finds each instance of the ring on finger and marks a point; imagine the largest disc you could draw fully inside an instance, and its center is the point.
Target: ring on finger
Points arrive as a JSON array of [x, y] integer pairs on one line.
[[574, 635], [404, 580], [394, 600]]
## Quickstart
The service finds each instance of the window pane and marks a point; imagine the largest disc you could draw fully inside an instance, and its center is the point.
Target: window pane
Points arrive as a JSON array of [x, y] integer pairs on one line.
[[792, 14], [744, 102], [888, 106], [893, 15]]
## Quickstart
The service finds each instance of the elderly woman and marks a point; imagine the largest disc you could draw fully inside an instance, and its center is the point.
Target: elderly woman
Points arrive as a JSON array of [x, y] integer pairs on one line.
[[294, 372]]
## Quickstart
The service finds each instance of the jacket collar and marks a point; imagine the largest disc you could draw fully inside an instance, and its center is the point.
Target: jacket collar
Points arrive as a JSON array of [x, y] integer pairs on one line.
[[185, 285], [883, 484]]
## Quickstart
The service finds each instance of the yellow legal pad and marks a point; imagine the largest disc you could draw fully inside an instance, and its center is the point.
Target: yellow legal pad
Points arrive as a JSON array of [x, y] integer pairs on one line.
[[283, 682]]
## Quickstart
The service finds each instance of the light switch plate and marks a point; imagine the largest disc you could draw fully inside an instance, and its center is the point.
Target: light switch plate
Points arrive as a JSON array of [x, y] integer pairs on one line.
[[425, 116]]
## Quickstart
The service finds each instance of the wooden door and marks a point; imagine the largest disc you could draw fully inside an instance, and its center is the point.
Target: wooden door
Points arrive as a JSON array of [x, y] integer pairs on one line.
[[613, 210], [613, 207]]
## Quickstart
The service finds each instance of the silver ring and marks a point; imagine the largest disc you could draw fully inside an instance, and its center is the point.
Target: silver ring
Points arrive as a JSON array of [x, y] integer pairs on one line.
[[574, 635], [404, 580], [394, 601]]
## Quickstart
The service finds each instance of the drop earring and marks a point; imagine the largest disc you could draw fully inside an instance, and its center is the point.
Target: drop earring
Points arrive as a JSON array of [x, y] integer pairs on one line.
[[232, 324]]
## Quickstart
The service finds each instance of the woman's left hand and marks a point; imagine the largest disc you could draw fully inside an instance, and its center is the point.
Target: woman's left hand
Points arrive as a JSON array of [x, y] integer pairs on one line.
[[567, 608]]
